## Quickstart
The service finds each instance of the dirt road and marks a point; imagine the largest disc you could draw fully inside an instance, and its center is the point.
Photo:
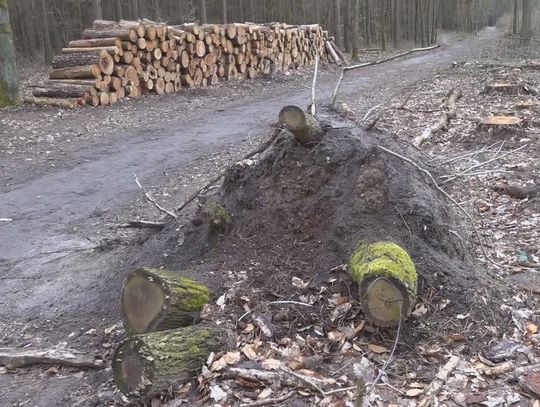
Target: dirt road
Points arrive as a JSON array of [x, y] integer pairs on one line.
[[53, 282]]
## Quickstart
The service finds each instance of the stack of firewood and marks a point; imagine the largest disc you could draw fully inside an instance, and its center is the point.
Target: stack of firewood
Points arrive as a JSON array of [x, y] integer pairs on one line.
[[129, 58]]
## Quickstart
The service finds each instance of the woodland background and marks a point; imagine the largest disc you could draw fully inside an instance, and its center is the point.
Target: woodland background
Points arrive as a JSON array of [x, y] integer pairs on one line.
[[42, 27]]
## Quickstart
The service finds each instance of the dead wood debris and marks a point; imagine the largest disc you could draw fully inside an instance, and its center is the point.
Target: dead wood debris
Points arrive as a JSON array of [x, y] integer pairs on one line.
[[13, 358]]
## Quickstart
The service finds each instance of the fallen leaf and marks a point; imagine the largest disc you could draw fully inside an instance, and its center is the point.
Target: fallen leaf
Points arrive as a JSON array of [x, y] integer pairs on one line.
[[456, 338], [336, 336], [414, 392], [420, 311], [232, 358], [250, 352], [264, 394], [532, 328], [217, 393], [271, 364], [299, 283], [377, 349], [249, 328], [6, 220]]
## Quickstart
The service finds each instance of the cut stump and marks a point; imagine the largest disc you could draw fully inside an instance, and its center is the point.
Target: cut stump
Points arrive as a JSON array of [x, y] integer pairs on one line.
[[151, 363], [156, 300], [499, 122], [388, 282], [505, 89], [304, 127]]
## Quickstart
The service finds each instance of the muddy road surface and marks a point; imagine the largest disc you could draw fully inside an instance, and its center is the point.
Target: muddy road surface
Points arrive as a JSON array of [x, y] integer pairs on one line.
[[66, 176]]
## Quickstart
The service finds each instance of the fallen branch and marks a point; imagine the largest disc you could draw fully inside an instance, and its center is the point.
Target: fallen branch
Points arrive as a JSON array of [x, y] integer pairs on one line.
[[444, 120], [353, 67], [259, 150], [142, 224], [436, 185], [437, 384], [14, 358], [267, 402], [283, 376], [497, 157], [151, 199], [313, 110]]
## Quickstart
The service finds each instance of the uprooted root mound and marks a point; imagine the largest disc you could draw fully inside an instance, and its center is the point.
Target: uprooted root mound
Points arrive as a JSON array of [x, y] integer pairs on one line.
[[300, 212]]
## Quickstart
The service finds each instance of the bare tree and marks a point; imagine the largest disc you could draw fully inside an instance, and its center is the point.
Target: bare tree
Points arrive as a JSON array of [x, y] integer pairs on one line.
[[45, 33], [9, 86], [355, 29], [224, 19], [526, 19], [337, 23], [202, 11]]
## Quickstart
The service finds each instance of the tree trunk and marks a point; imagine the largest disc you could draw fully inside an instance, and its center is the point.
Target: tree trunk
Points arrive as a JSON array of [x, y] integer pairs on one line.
[[337, 23], [156, 300], [153, 362], [304, 127], [388, 282], [224, 11], [45, 34], [355, 29], [9, 85], [202, 11], [526, 20], [515, 18], [347, 42]]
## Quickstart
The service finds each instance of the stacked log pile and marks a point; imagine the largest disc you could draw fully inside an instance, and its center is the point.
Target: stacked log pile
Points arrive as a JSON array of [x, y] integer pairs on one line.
[[114, 60]]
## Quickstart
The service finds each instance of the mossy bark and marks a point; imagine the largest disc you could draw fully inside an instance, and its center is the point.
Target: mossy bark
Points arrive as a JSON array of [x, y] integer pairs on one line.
[[157, 300], [388, 282], [150, 363], [304, 127], [9, 85]]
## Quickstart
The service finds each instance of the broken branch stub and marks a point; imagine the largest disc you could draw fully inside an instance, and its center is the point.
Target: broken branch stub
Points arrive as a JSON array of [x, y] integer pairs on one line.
[[388, 282], [156, 300], [150, 363], [304, 127]]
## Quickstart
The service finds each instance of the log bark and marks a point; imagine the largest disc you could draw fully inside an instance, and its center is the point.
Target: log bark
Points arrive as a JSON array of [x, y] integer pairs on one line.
[[120, 33], [76, 72], [305, 128], [62, 103], [96, 42], [101, 58], [388, 282], [150, 363], [13, 358], [156, 300], [62, 90]]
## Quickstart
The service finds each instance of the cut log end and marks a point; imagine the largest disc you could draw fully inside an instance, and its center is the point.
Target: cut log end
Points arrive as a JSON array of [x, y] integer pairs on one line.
[[302, 125], [151, 363], [157, 299], [387, 279]]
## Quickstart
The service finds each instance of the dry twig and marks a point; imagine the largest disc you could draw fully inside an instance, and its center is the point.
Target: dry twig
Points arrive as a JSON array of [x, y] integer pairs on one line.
[[150, 198], [267, 402]]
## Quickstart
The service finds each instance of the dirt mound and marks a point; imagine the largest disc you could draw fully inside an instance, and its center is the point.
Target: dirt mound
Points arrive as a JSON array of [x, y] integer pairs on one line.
[[300, 212]]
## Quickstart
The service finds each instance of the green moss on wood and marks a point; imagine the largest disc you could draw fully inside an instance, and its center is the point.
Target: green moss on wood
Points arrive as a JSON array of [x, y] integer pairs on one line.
[[385, 259], [3, 4], [5, 29], [181, 301], [219, 217], [6, 99], [150, 363]]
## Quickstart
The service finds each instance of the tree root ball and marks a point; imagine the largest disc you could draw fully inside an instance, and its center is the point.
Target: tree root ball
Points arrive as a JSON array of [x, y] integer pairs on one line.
[[388, 282]]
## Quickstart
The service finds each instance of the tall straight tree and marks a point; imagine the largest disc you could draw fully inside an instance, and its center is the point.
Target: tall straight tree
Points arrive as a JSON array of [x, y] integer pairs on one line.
[[355, 29], [224, 19], [337, 23], [526, 19], [202, 11], [515, 18], [45, 33], [9, 86]]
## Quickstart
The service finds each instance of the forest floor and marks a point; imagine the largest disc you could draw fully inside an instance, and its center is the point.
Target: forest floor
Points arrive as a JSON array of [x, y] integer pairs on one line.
[[66, 183]]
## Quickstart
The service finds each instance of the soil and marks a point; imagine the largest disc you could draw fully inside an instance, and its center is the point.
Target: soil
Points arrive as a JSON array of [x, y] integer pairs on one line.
[[67, 183]]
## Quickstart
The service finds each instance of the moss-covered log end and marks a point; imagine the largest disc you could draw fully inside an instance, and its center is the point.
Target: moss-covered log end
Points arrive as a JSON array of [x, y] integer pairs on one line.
[[150, 363], [387, 279], [155, 299]]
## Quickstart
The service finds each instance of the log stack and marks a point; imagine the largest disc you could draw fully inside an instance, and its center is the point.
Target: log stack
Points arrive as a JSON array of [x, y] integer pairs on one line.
[[114, 60]]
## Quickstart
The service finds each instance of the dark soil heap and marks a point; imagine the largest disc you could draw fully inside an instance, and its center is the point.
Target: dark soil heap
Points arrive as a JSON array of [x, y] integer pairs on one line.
[[300, 212]]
